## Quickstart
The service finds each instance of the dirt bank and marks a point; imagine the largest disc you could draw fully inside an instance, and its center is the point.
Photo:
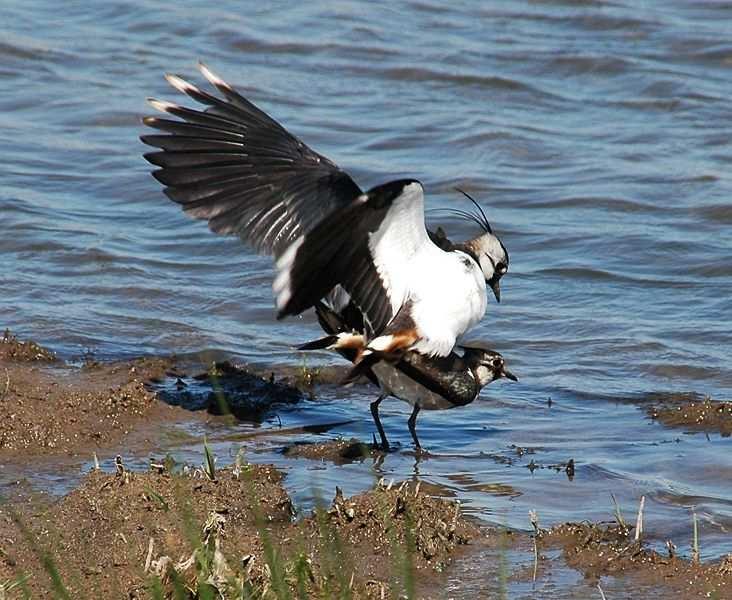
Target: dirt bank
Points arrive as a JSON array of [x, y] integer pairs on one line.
[[50, 408], [120, 535]]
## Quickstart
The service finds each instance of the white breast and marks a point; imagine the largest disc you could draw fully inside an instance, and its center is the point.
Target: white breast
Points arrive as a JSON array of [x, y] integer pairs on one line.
[[449, 297]]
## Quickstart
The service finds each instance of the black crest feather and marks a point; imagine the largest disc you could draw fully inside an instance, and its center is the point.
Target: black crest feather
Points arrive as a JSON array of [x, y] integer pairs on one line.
[[478, 216]]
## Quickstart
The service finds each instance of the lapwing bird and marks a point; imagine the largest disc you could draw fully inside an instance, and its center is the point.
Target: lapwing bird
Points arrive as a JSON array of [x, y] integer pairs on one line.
[[430, 383], [236, 167]]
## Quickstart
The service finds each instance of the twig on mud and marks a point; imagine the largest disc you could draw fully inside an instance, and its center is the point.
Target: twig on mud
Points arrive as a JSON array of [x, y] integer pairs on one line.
[[618, 515], [639, 520], [148, 560], [7, 384], [602, 594], [695, 554], [534, 520]]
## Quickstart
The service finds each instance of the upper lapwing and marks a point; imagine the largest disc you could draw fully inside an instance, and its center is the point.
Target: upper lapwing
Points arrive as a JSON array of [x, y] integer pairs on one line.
[[239, 169]]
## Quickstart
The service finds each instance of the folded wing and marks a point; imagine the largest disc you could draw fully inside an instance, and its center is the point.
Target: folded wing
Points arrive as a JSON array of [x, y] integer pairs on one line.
[[367, 247]]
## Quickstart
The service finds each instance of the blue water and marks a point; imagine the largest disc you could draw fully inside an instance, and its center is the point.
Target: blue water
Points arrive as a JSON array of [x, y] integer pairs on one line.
[[595, 134]]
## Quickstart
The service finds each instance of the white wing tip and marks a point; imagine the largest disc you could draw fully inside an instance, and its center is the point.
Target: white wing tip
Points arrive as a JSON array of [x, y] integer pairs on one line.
[[162, 105], [180, 84], [211, 77]]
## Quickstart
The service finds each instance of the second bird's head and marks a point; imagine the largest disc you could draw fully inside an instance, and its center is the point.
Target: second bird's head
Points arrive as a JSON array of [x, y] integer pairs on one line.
[[486, 365]]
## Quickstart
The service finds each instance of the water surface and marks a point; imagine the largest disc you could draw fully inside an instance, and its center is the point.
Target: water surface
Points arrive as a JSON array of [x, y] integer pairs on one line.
[[595, 134]]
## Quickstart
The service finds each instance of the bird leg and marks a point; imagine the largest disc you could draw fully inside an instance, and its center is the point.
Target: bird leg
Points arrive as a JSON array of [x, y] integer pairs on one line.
[[412, 422], [379, 427]]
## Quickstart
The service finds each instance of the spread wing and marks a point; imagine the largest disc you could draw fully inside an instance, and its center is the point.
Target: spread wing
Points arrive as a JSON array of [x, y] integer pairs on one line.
[[236, 167], [368, 247]]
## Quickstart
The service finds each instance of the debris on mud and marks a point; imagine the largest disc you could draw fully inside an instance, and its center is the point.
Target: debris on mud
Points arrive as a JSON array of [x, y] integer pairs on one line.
[[397, 516], [707, 415], [13, 349], [122, 534], [600, 549]]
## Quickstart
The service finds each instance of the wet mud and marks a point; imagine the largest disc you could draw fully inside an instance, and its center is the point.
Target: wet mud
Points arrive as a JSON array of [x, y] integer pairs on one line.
[[703, 415], [227, 389], [50, 408], [338, 451], [601, 549]]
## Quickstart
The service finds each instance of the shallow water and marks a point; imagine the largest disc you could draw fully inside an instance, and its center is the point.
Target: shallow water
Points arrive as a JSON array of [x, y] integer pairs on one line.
[[595, 134]]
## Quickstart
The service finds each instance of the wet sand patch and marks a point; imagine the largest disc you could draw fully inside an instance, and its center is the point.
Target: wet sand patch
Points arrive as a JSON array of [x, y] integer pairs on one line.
[[51, 408]]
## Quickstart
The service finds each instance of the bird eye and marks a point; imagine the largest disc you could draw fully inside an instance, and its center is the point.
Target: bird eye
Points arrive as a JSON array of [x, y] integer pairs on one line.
[[497, 362], [501, 268]]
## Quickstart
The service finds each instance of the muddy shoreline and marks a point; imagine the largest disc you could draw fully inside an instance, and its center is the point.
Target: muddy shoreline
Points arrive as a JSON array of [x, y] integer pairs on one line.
[[126, 534]]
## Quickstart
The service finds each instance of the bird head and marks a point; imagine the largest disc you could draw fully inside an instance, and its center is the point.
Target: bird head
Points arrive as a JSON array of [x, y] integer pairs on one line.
[[486, 249], [487, 365], [492, 257]]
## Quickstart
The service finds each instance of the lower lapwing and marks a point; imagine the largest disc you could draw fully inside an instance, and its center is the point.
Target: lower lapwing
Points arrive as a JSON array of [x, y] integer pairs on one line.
[[430, 383]]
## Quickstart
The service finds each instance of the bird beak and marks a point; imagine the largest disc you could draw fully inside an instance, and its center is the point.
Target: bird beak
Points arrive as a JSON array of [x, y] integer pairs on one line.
[[496, 287], [508, 375]]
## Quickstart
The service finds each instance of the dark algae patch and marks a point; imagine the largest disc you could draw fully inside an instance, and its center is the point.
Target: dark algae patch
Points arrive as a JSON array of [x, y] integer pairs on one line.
[[133, 535], [227, 389], [337, 451]]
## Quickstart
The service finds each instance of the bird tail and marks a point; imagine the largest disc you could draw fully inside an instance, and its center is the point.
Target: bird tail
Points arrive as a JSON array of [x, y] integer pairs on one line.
[[368, 358], [326, 342], [330, 320], [340, 341]]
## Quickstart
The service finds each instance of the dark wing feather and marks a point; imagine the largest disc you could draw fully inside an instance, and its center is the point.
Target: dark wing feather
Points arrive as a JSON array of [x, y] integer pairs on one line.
[[240, 170]]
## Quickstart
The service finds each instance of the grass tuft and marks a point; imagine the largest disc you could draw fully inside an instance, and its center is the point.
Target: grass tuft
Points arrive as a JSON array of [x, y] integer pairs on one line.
[[209, 464]]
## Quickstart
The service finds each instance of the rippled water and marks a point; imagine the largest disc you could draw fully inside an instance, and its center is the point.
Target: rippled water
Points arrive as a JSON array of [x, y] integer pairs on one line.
[[596, 134]]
